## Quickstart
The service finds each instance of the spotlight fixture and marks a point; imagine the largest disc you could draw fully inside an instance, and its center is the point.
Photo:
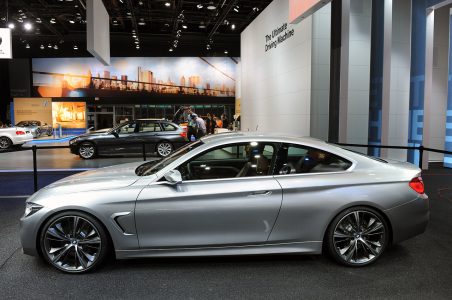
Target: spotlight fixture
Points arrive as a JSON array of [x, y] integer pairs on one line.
[[138, 47], [226, 52], [11, 26], [75, 47], [211, 6], [134, 36], [208, 47], [184, 26], [28, 26], [41, 47], [226, 22], [52, 21], [202, 25], [38, 20], [199, 6], [233, 26], [49, 46], [71, 21], [236, 8], [255, 9], [122, 1], [167, 4], [27, 46], [170, 50], [140, 2], [55, 47]]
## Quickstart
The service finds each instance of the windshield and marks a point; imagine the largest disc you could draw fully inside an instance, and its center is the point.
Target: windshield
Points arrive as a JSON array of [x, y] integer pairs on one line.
[[151, 167]]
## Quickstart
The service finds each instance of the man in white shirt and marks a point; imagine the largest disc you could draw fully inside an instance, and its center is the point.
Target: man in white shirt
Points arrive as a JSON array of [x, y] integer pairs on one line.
[[200, 126]]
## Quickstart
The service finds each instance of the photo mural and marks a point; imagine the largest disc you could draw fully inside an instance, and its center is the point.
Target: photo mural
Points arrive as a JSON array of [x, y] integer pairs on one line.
[[134, 76]]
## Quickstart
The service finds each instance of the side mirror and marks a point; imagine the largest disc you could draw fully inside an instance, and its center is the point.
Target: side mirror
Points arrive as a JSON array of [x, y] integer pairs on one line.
[[173, 177]]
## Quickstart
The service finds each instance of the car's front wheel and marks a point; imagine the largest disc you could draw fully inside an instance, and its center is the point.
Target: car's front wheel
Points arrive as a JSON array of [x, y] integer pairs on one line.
[[87, 150], [358, 236], [5, 142], [74, 242], [164, 149]]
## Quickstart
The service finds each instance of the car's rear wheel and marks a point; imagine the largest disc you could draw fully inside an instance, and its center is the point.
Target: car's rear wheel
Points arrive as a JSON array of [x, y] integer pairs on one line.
[[5, 142], [164, 149], [74, 242], [87, 150], [358, 236]]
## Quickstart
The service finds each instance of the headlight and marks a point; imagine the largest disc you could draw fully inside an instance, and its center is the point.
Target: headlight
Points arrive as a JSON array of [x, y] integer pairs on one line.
[[73, 141], [31, 208]]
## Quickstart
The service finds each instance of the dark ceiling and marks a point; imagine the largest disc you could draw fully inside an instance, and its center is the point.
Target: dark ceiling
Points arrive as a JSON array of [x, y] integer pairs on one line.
[[157, 24]]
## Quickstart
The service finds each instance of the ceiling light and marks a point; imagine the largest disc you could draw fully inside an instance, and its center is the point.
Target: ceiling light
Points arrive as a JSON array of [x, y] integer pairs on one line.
[[138, 47], [38, 20], [141, 23], [27, 46], [140, 2], [28, 26], [202, 25], [211, 6], [41, 47], [232, 26], [122, 1], [20, 20], [137, 42], [75, 47], [256, 9], [55, 47], [71, 21], [184, 26], [167, 4], [52, 21], [199, 6], [11, 25], [208, 46], [49, 46], [226, 52], [170, 50], [134, 36], [129, 13], [236, 8]]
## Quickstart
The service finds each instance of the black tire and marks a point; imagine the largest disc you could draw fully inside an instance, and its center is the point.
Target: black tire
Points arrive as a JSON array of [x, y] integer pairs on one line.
[[164, 148], [87, 150], [5, 142], [77, 249], [367, 241]]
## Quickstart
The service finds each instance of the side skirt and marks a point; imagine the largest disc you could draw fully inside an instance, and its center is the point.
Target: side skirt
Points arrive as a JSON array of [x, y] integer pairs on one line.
[[314, 247]]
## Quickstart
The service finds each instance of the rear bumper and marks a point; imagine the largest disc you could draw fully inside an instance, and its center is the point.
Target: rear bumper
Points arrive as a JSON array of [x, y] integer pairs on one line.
[[21, 139], [409, 219]]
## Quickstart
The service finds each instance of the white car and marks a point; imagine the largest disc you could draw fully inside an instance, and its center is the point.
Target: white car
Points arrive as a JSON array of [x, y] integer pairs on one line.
[[14, 136]]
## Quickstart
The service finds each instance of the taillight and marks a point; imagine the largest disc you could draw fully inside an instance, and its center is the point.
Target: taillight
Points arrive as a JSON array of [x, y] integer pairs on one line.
[[417, 185], [20, 132], [183, 134]]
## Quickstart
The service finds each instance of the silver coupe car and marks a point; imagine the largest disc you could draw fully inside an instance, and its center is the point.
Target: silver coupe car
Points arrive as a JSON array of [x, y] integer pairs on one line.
[[229, 194]]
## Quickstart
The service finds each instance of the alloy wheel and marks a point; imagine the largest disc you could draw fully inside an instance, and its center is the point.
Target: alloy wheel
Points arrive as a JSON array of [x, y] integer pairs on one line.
[[86, 151], [164, 149], [5, 143], [72, 243], [359, 237]]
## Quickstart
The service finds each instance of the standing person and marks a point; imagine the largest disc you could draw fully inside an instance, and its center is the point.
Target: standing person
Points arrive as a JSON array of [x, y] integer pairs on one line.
[[200, 126], [225, 121], [191, 127], [218, 122], [209, 124]]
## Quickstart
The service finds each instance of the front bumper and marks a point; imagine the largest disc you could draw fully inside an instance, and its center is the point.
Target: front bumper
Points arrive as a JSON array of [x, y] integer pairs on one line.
[[409, 219]]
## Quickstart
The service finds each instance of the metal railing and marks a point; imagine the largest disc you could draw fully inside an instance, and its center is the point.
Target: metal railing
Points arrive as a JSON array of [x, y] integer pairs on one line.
[[35, 149], [420, 148]]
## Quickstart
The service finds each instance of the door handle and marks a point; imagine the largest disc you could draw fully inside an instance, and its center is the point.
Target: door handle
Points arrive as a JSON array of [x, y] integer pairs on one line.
[[261, 193]]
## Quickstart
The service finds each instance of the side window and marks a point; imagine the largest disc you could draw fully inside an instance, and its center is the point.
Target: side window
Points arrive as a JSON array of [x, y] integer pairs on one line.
[[231, 161], [168, 127], [126, 128], [297, 159], [148, 126]]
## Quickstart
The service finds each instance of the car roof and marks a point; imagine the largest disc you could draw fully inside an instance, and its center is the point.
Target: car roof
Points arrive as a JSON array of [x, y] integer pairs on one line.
[[152, 119]]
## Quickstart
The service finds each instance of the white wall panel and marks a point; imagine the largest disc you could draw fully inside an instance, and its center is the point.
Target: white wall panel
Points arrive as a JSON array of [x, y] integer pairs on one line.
[[276, 85]]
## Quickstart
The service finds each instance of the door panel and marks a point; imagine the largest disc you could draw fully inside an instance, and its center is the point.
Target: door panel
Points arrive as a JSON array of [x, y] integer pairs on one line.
[[208, 213]]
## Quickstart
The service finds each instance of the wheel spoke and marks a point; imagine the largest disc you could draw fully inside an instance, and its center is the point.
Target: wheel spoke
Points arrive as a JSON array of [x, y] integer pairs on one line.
[[74, 226], [81, 258], [357, 220], [57, 257], [56, 234], [342, 235], [95, 240], [369, 247], [374, 229]]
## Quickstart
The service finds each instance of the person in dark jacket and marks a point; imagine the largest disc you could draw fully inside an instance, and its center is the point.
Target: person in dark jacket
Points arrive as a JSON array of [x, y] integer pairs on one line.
[[225, 121]]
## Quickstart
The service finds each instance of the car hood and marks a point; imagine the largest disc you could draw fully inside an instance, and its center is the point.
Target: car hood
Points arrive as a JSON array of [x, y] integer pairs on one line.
[[104, 178]]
